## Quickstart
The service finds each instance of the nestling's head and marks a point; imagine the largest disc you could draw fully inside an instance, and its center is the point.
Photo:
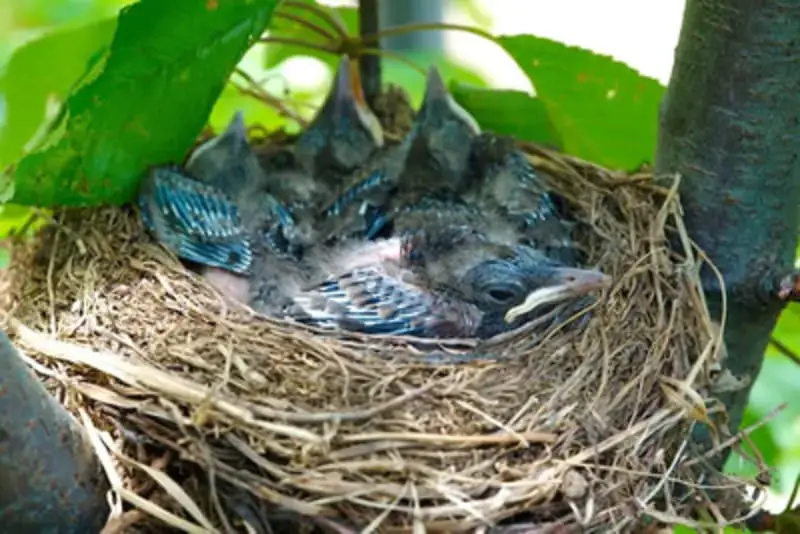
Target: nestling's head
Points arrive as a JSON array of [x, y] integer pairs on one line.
[[509, 280], [345, 132]]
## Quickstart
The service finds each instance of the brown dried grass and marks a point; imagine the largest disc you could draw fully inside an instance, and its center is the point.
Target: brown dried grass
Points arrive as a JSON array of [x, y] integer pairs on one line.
[[180, 389]]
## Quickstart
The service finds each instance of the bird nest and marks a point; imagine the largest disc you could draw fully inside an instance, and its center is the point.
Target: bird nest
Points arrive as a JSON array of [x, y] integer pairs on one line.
[[210, 414]]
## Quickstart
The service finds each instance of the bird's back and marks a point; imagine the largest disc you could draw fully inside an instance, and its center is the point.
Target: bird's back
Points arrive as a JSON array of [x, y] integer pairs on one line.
[[503, 182]]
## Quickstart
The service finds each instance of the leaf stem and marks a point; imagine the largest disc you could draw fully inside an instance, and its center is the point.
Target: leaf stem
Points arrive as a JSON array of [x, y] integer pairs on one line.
[[256, 91], [307, 24], [409, 28], [793, 496], [783, 349], [299, 42], [338, 27]]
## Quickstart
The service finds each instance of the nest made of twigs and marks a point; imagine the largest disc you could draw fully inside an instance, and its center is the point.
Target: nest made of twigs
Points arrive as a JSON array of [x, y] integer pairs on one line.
[[579, 427]]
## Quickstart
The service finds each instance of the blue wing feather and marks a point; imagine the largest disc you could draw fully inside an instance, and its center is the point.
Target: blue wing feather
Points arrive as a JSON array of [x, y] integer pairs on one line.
[[374, 219], [353, 193], [367, 301], [197, 221]]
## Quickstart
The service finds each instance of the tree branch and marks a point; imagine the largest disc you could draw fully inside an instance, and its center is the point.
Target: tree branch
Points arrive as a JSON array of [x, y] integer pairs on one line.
[[729, 126], [369, 65], [50, 480]]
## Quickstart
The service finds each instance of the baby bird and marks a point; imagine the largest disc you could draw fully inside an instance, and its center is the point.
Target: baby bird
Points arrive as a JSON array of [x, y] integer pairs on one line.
[[202, 213], [227, 161], [342, 137], [344, 133], [223, 214], [443, 283], [229, 164], [431, 161], [503, 182]]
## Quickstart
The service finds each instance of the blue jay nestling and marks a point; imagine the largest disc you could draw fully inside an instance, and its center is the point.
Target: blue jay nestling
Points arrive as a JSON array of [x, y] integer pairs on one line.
[[219, 211], [345, 132], [442, 282], [227, 161], [342, 136], [230, 163], [503, 182], [307, 175], [431, 160]]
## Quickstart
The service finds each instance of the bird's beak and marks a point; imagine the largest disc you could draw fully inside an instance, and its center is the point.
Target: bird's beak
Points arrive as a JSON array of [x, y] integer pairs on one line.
[[236, 128], [234, 137], [569, 283], [347, 98], [437, 96]]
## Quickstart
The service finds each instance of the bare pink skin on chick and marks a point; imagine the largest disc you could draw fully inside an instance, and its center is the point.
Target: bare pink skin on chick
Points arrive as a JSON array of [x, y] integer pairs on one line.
[[236, 288], [371, 253], [233, 287]]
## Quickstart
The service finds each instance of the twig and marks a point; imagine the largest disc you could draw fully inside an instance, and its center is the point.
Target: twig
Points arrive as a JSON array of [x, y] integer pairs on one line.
[[737, 436], [785, 350], [300, 42], [256, 91], [336, 24], [434, 26], [306, 23], [451, 439], [319, 417]]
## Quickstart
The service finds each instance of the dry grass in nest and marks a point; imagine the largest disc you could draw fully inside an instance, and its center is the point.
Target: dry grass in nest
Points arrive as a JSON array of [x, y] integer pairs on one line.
[[576, 428]]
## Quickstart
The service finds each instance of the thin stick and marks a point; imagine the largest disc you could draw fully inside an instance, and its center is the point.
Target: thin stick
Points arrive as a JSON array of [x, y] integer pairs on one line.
[[336, 24], [306, 23], [300, 42], [450, 439], [409, 28], [256, 91], [784, 349]]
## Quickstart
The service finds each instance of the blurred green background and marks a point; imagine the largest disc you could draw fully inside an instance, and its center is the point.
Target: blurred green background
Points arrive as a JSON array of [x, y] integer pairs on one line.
[[46, 45]]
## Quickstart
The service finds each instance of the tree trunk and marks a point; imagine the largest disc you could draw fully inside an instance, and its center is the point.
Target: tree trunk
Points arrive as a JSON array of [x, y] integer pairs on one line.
[[51, 481], [394, 13], [729, 126]]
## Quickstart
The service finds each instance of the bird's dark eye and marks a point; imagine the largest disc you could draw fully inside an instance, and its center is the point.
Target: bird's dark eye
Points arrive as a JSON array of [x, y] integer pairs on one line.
[[501, 295]]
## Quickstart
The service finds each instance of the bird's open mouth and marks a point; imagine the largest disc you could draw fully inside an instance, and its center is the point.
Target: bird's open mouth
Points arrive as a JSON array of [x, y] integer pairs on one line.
[[573, 283]]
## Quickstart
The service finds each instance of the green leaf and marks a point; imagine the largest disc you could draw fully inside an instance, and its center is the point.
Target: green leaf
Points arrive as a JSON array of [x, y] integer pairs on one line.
[[604, 110], [12, 218], [5, 257], [500, 111], [275, 53], [166, 66], [60, 58]]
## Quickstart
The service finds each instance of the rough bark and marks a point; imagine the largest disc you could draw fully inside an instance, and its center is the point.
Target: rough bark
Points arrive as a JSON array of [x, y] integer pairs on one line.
[[729, 126], [50, 480]]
